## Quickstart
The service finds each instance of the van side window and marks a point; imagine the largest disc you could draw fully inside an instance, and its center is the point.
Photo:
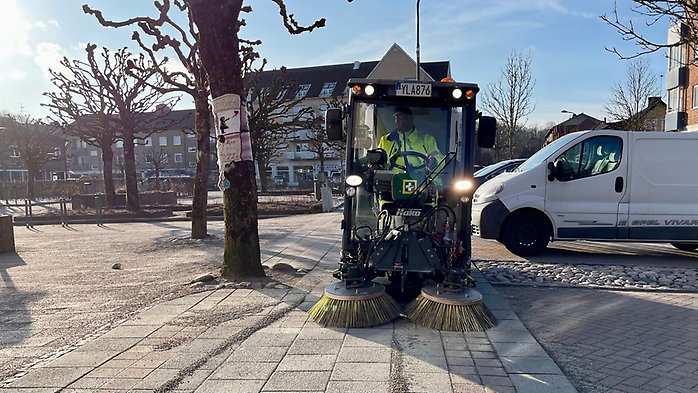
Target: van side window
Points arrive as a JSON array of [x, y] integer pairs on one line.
[[594, 156]]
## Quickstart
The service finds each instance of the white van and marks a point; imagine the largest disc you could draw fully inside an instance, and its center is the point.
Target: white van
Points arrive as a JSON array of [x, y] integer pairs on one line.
[[596, 185]]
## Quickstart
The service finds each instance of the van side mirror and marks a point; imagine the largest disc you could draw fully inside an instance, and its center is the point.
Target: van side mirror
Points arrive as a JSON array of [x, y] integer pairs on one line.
[[487, 131], [333, 124], [551, 171], [556, 170]]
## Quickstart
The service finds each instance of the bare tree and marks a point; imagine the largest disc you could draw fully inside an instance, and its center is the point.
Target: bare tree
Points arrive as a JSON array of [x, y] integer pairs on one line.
[[629, 98], [82, 107], [140, 109], [273, 117], [652, 13], [157, 160], [185, 47], [33, 142], [219, 48], [320, 144], [509, 99]]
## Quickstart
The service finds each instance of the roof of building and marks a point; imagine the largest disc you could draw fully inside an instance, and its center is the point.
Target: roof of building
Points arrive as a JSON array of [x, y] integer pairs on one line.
[[318, 76]]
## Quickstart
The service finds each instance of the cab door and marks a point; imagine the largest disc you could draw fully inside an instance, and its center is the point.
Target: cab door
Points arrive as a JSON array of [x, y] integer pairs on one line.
[[585, 197]]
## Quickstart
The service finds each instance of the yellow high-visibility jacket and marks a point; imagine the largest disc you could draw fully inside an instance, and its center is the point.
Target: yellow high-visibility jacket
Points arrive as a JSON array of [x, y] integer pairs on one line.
[[411, 140]]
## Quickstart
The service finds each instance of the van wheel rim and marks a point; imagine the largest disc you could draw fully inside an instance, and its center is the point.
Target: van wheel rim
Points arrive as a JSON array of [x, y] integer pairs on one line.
[[528, 235]]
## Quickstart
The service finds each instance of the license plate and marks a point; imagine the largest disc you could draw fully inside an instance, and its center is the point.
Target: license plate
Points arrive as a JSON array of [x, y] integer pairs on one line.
[[413, 89]]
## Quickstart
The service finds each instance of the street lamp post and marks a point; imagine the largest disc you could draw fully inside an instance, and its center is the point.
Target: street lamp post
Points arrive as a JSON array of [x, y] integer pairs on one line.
[[417, 78], [566, 111]]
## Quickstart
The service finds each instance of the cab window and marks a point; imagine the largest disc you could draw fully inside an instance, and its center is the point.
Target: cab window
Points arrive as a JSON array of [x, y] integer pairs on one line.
[[592, 157]]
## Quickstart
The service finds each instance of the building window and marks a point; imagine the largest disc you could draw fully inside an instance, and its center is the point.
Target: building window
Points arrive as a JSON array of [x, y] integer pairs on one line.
[[119, 144], [282, 93], [162, 141], [82, 160], [302, 91], [95, 167], [176, 140], [675, 100], [148, 141], [192, 165], [14, 151], [327, 89], [192, 135], [93, 153], [81, 144], [695, 96], [677, 56], [178, 157], [165, 158], [191, 149]]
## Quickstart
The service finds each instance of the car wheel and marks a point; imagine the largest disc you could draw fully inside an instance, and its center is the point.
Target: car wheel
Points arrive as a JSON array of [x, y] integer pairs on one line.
[[685, 246], [525, 234]]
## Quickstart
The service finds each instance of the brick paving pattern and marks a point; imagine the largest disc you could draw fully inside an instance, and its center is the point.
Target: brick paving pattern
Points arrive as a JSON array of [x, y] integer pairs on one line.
[[615, 341], [260, 340]]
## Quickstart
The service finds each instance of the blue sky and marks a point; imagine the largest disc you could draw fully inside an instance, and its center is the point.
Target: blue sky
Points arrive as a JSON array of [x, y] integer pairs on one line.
[[566, 40]]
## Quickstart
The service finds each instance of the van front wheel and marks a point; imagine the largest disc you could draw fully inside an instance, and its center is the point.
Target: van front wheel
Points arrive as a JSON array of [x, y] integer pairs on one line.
[[685, 246], [525, 234]]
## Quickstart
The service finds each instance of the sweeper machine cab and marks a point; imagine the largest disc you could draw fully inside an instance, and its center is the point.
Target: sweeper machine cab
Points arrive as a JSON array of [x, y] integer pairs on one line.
[[406, 222]]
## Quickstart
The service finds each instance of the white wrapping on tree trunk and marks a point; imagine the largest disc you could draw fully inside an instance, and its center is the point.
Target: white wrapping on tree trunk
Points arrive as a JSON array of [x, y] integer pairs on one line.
[[232, 135]]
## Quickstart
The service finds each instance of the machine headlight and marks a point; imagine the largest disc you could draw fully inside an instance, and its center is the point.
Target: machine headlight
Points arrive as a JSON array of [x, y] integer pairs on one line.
[[463, 185], [354, 180], [369, 90], [457, 93], [350, 191]]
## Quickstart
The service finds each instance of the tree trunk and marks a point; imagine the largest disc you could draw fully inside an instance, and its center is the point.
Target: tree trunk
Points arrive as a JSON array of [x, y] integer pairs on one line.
[[31, 173], [203, 168], [132, 202], [108, 162], [219, 47], [263, 179]]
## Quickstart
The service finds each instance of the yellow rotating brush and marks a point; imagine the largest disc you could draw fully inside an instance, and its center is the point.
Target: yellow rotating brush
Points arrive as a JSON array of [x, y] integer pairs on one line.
[[455, 312], [360, 307]]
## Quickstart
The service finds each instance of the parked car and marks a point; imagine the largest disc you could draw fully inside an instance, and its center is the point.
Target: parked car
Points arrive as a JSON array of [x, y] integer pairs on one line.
[[279, 180], [495, 169]]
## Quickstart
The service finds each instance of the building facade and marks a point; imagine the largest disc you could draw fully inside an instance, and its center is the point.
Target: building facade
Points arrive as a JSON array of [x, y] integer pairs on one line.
[[317, 86], [172, 152]]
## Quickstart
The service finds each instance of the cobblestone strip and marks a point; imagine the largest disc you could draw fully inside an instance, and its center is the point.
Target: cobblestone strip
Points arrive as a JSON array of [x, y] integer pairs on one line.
[[590, 276]]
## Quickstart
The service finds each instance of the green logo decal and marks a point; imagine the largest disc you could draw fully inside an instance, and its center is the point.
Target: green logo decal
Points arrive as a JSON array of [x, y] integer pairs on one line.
[[409, 186]]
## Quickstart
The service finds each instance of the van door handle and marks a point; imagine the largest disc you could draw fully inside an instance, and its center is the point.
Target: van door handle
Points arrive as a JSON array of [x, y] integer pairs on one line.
[[619, 184]]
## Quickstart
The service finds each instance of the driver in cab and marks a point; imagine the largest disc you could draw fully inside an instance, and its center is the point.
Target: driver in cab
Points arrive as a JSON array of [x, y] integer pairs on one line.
[[407, 148]]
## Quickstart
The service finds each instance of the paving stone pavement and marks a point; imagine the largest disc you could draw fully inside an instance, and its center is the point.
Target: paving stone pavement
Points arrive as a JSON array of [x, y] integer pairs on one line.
[[199, 343], [615, 341]]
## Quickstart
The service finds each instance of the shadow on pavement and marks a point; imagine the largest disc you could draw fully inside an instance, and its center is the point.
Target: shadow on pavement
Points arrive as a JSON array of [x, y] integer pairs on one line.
[[15, 319]]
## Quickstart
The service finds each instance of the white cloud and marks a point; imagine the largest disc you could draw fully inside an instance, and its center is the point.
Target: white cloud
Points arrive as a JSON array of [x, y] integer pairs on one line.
[[14, 32], [16, 75], [54, 23], [49, 55]]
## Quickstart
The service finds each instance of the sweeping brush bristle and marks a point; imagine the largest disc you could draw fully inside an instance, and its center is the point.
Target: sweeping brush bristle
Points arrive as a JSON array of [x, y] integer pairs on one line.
[[356, 308], [450, 312]]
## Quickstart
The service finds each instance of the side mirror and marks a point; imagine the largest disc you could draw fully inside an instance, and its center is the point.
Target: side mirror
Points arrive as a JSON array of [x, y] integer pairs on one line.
[[556, 170], [333, 124], [551, 171], [487, 131]]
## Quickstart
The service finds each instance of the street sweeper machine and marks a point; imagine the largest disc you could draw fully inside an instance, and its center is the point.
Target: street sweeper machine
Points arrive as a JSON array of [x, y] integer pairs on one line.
[[406, 226]]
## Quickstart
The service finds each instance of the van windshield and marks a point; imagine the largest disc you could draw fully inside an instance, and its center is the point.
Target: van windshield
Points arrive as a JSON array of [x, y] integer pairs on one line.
[[543, 154]]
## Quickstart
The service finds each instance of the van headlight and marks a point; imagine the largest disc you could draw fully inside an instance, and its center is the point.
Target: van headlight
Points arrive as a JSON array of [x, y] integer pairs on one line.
[[489, 194]]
